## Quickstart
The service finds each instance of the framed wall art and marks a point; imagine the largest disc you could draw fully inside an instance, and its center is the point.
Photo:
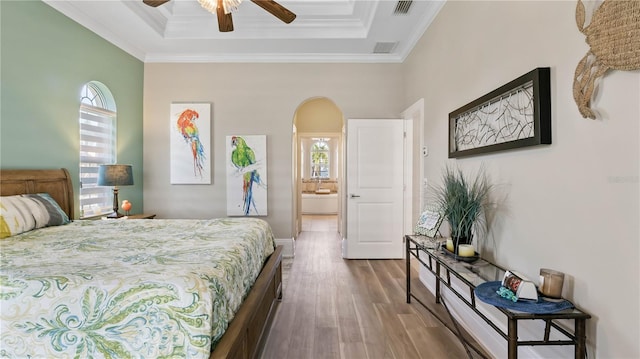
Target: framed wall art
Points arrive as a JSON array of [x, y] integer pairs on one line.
[[190, 143], [515, 115], [246, 175]]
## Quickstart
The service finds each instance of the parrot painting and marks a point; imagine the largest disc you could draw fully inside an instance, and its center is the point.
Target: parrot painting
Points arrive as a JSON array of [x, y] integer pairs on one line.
[[244, 160], [189, 131]]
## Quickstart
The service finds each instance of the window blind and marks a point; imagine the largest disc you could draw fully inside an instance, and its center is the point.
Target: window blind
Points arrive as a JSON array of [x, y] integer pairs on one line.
[[97, 146]]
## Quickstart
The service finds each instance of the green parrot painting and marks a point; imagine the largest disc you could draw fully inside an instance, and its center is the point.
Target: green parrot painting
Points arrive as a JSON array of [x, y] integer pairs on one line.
[[244, 160]]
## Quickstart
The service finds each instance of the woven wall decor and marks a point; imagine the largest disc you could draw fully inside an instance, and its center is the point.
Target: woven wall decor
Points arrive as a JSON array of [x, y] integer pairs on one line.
[[613, 36]]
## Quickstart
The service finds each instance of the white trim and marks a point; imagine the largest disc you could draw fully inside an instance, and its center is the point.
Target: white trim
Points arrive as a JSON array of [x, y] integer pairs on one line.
[[271, 58], [160, 30], [415, 112], [412, 118], [289, 244], [408, 176]]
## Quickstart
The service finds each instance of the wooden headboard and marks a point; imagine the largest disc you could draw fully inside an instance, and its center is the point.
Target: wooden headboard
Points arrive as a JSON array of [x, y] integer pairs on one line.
[[56, 183]]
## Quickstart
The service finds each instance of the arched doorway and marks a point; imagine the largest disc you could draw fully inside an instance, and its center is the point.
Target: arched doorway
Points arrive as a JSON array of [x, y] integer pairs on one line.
[[318, 160]]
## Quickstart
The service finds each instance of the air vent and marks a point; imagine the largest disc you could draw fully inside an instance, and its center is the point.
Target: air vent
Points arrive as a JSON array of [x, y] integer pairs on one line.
[[402, 7], [384, 47]]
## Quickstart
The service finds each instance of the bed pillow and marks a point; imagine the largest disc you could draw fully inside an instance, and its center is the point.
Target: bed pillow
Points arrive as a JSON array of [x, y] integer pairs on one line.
[[22, 213], [51, 214]]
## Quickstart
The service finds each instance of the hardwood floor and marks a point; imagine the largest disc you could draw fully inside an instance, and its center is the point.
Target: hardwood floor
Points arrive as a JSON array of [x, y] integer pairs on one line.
[[336, 308]]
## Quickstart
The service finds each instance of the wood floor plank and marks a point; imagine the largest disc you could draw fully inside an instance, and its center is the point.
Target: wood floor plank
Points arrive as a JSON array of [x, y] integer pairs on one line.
[[347, 320], [429, 342], [396, 268], [394, 290], [372, 329], [280, 335], [371, 284], [326, 343], [326, 309], [353, 350], [398, 338], [352, 309], [303, 331]]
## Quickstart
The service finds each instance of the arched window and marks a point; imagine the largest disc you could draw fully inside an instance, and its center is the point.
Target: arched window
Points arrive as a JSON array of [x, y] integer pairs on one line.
[[97, 146], [320, 158]]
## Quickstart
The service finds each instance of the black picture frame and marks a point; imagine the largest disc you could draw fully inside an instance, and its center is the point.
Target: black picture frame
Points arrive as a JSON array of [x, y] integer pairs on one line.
[[515, 115]]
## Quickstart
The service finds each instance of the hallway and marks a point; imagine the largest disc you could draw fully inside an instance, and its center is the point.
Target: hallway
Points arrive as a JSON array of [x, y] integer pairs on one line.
[[320, 223], [336, 308]]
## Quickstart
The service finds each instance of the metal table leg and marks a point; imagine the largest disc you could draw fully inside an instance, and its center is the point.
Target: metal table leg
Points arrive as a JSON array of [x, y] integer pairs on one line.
[[513, 339]]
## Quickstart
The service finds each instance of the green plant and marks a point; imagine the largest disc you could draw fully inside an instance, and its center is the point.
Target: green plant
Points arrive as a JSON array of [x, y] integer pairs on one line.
[[461, 201]]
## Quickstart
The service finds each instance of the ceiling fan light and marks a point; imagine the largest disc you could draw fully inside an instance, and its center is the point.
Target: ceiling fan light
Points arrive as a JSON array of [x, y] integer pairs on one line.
[[228, 5]]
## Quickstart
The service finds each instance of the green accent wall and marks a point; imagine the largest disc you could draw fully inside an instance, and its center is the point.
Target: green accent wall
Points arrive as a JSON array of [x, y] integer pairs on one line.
[[46, 58]]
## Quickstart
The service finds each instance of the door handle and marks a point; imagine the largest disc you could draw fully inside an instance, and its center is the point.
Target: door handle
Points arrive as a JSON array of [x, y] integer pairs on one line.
[[354, 195]]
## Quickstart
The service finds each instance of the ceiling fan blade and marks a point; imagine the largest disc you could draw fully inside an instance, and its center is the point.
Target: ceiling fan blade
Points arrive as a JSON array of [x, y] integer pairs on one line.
[[276, 10], [225, 21], [154, 3]]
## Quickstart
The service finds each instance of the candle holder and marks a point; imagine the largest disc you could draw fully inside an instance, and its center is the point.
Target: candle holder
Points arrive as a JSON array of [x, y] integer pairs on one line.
[[551, 282]]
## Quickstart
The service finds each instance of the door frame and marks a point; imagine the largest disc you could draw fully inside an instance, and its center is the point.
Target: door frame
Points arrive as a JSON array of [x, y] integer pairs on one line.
[[414, 179]]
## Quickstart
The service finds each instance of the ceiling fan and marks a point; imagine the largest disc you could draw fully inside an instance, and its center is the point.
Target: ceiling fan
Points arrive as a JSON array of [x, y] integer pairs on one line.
[[224, 8]]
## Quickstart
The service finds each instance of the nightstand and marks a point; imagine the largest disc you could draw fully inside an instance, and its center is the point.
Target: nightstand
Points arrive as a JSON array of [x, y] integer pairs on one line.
[[141, 216]]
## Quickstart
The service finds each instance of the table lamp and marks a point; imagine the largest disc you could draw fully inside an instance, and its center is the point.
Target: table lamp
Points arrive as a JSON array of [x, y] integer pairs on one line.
[[115, 175]]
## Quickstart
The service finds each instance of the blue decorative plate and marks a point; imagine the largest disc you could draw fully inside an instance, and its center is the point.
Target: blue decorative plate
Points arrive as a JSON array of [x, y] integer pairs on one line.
[[486, 292]]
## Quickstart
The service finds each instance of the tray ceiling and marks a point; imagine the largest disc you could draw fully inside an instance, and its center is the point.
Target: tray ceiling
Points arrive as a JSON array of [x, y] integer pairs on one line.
[[323, 31]]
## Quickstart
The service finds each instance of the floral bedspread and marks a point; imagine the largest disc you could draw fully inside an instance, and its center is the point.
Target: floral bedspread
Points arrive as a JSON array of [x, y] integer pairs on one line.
[[127, 288]]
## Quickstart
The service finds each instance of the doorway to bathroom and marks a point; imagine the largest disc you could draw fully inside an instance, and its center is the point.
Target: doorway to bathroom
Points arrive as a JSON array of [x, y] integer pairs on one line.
[[317, 146]]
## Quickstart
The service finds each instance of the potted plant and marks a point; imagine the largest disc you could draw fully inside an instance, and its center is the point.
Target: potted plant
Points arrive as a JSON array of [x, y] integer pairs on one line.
[[461, 201]]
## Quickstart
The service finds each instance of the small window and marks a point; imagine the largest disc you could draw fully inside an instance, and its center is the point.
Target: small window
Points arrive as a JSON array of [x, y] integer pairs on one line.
[[97, 146], [320, 158]]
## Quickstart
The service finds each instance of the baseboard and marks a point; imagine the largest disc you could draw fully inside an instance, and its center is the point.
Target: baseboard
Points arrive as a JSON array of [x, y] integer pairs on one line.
[[289, 245]]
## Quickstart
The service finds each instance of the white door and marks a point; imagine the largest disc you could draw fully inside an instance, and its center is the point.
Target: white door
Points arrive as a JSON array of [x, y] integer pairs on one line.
[[374, 193]]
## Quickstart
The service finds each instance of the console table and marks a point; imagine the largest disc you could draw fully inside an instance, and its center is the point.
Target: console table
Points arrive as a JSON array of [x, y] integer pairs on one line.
[[473, 274]]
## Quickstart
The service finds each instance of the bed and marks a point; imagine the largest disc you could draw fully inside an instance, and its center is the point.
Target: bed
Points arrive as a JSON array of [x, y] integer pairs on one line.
[[132, 288]]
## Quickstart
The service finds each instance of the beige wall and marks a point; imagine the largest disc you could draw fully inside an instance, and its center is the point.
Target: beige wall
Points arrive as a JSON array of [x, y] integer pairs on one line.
[[251, 99], [573, 205]]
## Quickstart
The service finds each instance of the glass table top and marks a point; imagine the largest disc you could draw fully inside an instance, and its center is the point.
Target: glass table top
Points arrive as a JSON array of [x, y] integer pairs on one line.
[[475, 273]]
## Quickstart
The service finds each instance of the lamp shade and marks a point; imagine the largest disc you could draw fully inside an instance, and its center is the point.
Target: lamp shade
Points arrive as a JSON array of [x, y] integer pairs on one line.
[[115, 175]]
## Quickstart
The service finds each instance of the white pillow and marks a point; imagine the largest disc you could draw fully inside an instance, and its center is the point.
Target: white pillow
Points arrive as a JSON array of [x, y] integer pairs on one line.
[[22, 213]]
